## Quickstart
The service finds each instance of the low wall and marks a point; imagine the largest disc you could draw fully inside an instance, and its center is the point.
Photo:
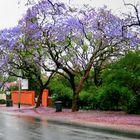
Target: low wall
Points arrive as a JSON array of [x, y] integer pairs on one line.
[[26, 97], [45, 98]]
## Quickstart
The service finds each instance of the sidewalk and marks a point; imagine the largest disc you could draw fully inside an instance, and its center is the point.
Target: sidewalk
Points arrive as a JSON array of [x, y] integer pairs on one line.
[[108, 121]]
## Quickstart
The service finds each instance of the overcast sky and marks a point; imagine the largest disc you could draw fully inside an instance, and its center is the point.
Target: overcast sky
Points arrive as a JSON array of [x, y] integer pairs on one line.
[[11, 11]]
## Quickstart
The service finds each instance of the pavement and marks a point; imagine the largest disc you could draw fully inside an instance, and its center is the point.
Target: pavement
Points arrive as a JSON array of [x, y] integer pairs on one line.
[[118, 123]]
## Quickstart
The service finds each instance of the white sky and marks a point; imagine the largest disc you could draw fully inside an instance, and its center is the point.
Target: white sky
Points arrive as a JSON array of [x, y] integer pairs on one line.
[[11, 11]]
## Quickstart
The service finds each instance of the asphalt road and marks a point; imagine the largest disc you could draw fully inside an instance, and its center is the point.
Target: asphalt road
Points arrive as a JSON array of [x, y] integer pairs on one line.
[[32, 128]]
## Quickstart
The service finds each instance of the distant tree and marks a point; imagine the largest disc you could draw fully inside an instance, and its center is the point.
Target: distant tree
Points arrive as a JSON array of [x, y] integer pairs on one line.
[[135, 17], [18, 60], [132, 22]]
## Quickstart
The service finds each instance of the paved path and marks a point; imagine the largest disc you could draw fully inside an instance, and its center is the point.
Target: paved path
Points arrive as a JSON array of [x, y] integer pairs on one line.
[[114, 122]]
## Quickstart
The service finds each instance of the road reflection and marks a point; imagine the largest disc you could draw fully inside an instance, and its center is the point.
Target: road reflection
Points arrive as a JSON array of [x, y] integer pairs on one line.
[[32, 128]]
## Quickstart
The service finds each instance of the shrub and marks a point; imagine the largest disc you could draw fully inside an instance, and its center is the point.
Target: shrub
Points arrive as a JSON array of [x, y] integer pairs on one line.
[[83, 101], [126, 95], [109, 97], [88, 99], [114, 97], [63, 94], [133, 105], [60, 91], [2, 101], [93, 100], [121, 82]]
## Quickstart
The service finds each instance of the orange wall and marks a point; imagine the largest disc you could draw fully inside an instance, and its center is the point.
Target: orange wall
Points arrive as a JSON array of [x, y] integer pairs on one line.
[[26, 97], [45, 98]]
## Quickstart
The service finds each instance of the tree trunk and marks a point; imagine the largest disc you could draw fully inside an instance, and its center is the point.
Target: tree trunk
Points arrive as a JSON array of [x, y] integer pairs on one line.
[[75, 102], [39, 99], [42, 87]]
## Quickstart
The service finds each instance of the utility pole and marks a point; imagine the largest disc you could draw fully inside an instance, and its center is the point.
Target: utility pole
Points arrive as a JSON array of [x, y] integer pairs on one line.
[[19, 89]]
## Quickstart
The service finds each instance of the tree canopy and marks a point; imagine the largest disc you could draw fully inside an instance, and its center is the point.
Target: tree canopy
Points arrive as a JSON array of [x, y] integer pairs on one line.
[[54, 38]]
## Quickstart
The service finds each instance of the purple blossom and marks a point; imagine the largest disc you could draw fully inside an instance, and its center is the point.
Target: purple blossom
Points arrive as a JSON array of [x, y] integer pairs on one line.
[[74, 23], [12, 44], [35, 58], [49, 21], [37, 35], [32, 26]]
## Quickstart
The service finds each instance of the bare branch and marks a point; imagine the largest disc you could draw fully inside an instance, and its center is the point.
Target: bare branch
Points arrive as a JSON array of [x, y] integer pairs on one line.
[[137, 14]]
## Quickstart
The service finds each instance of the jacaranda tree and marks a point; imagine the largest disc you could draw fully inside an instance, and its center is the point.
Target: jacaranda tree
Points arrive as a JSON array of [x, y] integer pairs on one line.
[[71, 41]]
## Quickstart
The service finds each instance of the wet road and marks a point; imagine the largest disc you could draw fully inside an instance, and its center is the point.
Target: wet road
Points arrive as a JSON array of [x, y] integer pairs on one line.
[[31, 128]]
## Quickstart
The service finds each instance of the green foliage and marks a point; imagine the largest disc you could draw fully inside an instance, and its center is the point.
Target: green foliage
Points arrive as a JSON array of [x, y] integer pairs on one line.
[[61, 91], [12, 79], [84, 100], [2, 101], [125, 72], [126, 96], [133, 105], [34, 85], [108, 98], [120, 89], [121, 82], [13, 88], [113, 97], [88, 98]]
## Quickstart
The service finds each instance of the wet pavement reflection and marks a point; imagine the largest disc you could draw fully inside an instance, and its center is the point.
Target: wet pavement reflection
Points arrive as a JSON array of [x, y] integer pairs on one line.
[[32, 128]]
